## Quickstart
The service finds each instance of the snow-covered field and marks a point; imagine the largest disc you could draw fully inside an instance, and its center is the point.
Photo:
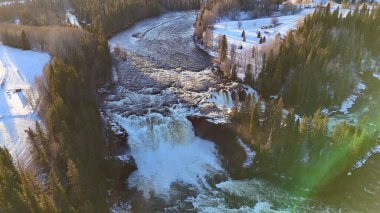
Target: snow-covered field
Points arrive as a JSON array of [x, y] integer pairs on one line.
[[233, 29], [18, 69], [253, 26], [264, 25]]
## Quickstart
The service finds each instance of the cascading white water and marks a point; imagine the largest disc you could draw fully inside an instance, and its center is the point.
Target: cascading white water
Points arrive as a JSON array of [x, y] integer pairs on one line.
[[224, 99], [166, 151]]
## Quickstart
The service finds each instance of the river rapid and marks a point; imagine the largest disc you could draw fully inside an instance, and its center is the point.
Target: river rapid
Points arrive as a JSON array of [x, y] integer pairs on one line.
[[172, 104]]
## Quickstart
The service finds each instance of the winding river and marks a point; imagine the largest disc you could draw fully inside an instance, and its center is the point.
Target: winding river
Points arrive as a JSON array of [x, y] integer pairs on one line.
[[163, 83]]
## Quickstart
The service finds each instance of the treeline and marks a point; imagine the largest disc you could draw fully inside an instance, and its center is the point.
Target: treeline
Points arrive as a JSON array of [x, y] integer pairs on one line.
[[18, 191], [36, 12], [106, 17], [300, 148], [319, 63], [68, 145], [56, 40], [102, 17], [215, 9]]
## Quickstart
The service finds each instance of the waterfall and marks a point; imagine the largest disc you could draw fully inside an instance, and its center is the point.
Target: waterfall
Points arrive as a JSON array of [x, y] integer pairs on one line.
[[166, 151]]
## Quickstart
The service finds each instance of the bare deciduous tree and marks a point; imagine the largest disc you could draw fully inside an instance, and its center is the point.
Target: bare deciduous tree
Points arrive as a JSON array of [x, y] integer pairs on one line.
[[233, 53], [274, 21], [239, 24], [208, 38]]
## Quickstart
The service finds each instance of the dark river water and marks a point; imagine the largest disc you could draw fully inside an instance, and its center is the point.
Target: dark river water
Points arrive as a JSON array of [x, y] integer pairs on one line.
[[193, 165]]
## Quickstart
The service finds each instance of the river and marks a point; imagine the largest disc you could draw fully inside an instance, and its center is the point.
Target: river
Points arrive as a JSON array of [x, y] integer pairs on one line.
[[169, 100]]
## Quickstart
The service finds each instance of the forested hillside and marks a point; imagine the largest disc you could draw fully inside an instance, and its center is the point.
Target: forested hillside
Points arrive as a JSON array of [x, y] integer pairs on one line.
[[18, 192], [320, 63], [294, 146], [108, 17], [36, 12], [69, 144], [317, 65], [101, 17]]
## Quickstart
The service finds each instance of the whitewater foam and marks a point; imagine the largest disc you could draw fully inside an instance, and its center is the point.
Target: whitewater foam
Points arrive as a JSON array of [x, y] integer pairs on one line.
[[251, 196], [166, 151]]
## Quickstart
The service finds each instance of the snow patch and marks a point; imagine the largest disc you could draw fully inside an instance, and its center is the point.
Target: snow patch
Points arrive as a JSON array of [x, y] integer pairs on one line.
[[360, 163], [350, 100], [250, 154], [125, 207], [72, 19], [376, 75]]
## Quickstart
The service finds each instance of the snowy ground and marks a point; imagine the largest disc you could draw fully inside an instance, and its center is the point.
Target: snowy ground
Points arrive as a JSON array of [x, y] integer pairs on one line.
[[347, 104], [18, 69], [262, 25], [253, 26], [362, 161], [249, 152]]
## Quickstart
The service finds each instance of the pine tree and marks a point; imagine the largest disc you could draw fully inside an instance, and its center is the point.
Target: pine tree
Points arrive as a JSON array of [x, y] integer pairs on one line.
[[248, 75], [14, 196], [223, 49], [328, 6], [276, 116], [259, 34], [25, 45]]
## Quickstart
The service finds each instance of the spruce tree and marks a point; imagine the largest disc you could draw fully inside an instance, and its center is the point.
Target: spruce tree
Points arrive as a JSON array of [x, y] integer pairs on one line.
[[14, 195], [25, 45], [259, 35], [223, 49], [248, 75]]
